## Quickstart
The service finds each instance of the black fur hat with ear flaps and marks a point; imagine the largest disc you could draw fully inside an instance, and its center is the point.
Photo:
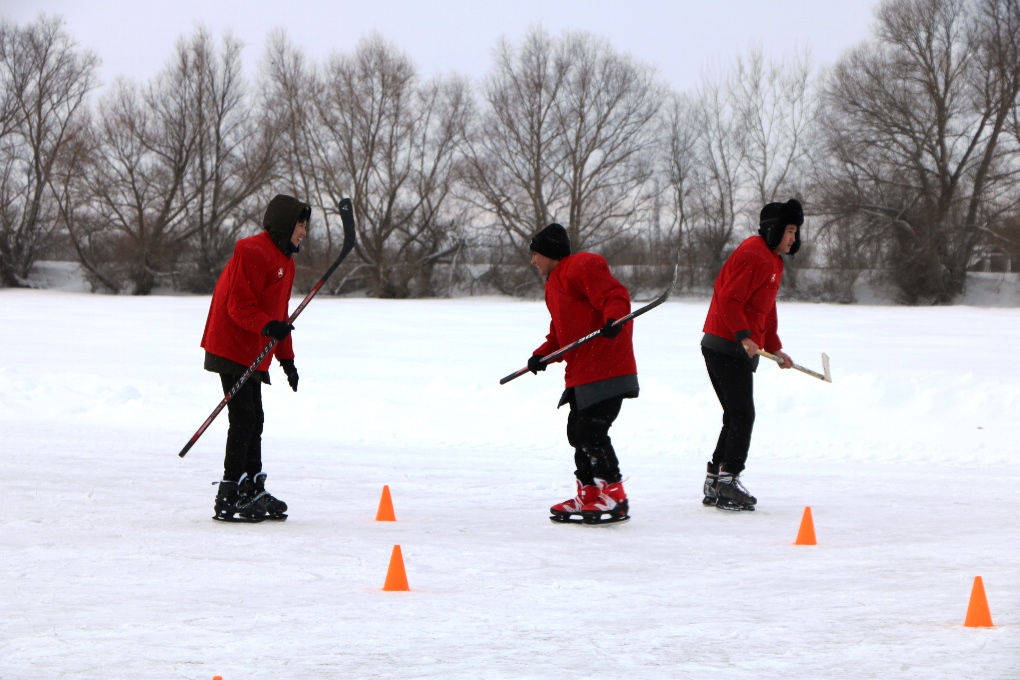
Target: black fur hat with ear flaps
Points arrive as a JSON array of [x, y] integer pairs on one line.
[[282, 215], [775, 217]]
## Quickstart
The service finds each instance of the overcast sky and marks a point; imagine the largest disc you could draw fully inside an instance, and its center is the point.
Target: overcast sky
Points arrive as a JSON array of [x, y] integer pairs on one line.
[[135, 38]]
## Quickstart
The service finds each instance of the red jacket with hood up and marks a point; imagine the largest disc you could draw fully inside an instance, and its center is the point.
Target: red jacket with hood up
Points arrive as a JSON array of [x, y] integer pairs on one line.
[[581, 296], [254, 289]]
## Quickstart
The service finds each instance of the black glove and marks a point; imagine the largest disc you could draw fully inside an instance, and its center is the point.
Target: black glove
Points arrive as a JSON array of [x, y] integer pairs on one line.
[[277, 330], [292, 377], [535, 364], [610, 330]]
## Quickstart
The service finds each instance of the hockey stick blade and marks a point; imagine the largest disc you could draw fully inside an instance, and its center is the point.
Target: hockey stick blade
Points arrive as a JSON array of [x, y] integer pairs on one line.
[[346, 210], [594, 334], [827, 377]]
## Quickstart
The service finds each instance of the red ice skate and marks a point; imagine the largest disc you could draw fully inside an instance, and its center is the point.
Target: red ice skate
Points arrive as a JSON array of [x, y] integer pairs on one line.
[[570, 511], [609, 507]]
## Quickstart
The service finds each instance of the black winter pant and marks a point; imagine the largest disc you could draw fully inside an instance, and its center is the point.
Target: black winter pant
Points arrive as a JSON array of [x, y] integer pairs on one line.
[[588, 433], [733, 380], [244, 436]]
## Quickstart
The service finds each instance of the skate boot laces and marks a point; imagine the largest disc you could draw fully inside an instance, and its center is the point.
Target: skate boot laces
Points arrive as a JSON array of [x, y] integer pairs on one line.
[[729, 486]]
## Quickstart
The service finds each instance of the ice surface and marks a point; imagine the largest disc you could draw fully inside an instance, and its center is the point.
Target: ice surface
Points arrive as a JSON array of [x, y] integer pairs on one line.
[[110, 566]]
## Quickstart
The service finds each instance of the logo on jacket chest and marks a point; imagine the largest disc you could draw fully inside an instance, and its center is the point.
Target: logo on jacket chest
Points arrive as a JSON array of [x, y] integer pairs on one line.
[[279, 274]]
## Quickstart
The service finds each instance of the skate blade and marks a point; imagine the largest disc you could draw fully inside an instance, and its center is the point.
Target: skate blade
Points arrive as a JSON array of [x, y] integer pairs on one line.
[[735, 508], [608, 520], [606, 517], [567, 518], [238, 520], [277, 518]]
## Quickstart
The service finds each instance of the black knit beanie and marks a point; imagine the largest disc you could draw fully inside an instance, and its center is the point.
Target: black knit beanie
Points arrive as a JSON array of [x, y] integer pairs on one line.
[[282, 215], [774, 218], [552, 242]]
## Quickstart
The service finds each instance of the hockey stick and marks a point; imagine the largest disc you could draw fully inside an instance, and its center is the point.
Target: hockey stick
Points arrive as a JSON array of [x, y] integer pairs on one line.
[[594, 334], [825, 365], [347, 218]]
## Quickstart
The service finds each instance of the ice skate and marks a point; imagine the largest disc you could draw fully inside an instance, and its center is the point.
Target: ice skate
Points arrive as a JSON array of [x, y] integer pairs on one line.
[[711, 477], [570, 511], [275, 508], [731, 494], [609, 507], [237, 502]]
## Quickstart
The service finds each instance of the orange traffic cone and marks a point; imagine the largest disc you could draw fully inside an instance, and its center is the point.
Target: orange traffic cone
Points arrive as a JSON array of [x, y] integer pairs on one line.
[[978, 615], [396, 577], [806, 535], [385, 513]]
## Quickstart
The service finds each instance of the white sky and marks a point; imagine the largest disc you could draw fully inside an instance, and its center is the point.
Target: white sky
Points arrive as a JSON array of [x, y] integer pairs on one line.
[[680, 38]]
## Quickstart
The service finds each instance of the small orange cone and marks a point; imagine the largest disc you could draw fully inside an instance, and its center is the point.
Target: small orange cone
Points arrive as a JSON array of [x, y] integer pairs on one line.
[[385, 513], [806, 535], [978, 615], [217, 677], [396, 577]]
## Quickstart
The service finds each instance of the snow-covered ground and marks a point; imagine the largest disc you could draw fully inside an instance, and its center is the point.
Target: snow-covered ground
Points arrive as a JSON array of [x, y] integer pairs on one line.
[[110, 566]]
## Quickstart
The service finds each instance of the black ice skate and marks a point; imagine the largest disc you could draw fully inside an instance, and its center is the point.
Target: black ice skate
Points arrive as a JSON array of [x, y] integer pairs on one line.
[[236, 502], [275, 508], [711, 477], [731, 494]]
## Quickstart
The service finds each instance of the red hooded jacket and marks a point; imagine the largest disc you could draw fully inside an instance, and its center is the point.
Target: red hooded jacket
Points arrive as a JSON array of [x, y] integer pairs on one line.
[[744, 297], [253, 290], [581, 296]]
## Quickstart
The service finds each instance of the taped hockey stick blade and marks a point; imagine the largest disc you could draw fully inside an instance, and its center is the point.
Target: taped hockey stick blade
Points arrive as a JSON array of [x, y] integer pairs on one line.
[[825, 368]]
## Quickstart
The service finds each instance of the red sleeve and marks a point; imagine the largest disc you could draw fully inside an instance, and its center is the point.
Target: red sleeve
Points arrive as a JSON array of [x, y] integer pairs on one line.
[[285, 348], [242, 302], [551, 344], [772, 341], [746, 275]]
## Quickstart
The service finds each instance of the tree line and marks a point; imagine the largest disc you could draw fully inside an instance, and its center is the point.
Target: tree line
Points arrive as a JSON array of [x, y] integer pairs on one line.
[[905, 154]]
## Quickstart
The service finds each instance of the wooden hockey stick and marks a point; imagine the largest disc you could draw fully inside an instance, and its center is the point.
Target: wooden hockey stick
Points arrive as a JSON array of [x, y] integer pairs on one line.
[[825, 365]]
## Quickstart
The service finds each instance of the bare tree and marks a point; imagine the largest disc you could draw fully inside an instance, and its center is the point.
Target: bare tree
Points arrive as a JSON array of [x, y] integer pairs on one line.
[[45, 79], [914, 124], [291, 87], [736, 143], [233, 160], [392, 144], [775, 108], [172, 172], [133, 229], [568, 134], [706, 160]]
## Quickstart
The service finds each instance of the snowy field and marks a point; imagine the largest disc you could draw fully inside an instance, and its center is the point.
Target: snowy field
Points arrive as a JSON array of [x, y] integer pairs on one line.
[[110, 566]]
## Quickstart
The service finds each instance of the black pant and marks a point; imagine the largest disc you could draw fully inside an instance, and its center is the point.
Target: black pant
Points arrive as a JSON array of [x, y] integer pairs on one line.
[[588, 433], [733, 380], [244, 436]]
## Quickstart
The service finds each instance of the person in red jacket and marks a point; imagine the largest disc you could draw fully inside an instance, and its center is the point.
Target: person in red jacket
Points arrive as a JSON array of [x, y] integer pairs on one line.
[[582, 296], [249, 308], [741, 320]]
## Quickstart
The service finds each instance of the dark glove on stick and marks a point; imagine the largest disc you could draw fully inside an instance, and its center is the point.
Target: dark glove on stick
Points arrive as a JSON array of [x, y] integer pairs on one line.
[[609, 330], [535, 364], [292, 377], [277, 330]]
